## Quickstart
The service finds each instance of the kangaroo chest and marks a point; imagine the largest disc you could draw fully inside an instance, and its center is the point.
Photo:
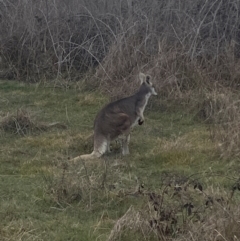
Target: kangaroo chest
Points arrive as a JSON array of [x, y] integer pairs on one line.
[[143, 104], [140, 107]]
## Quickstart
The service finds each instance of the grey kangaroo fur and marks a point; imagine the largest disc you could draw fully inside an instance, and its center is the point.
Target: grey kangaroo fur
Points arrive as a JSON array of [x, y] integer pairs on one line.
[[117, 119]]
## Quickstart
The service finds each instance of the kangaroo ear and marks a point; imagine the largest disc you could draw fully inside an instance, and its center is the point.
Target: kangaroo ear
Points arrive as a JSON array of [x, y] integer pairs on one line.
[[142, 77]]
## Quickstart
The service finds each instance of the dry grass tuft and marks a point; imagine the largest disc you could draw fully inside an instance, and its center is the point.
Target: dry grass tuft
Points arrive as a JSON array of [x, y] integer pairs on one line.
[[132, 220], [221, 109], [65, 189], [23, 123], [76, 182], [226, 130], [20, 123], [214, 103]]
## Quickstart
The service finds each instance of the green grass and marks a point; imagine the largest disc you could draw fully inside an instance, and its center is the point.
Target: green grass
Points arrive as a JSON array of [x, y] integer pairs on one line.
[[45, 197]]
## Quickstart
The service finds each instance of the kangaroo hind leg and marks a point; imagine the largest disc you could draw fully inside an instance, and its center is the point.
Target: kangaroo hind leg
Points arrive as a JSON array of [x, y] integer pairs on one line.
[[125, 143], [124, 130], [101, 145]]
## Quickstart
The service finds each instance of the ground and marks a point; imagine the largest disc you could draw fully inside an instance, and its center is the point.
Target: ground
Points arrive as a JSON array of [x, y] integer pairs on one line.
[[44, 196]]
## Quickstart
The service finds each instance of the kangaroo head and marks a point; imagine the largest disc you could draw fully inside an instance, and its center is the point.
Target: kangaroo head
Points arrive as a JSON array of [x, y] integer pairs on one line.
[[146, 80]]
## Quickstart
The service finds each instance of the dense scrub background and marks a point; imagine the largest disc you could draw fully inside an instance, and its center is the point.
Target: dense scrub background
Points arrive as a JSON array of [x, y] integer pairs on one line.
[[170, 39]]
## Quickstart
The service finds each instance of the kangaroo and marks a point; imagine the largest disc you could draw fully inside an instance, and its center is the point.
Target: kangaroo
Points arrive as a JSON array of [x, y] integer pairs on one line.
[[118, 118]]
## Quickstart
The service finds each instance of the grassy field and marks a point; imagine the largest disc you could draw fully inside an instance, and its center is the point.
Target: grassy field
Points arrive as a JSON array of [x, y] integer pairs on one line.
[[166, 189]]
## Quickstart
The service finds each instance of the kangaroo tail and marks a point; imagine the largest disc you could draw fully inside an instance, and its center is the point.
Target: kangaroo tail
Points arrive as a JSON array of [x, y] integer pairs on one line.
[[86, 157]]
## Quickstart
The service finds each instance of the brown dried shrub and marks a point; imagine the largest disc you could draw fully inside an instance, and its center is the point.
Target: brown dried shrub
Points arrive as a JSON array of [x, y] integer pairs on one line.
[[181, 210], [23, 122]]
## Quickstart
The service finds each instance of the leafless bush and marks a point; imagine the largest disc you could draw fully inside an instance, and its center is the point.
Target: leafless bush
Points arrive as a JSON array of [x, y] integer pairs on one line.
[[179, 43], [181, 210], [120, 67], [64, 39], [49, 39]]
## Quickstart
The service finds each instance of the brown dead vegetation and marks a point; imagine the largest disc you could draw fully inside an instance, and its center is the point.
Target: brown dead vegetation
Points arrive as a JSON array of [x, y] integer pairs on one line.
[[23, 122], [181, 208], [179, 212]]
